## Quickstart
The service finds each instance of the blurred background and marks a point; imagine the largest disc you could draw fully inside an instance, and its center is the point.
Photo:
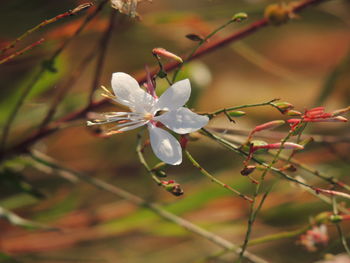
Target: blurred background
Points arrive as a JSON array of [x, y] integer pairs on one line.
[[305, 62]]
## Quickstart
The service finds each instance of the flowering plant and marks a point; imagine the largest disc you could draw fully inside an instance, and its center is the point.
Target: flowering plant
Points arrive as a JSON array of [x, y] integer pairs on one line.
[[147, 109]]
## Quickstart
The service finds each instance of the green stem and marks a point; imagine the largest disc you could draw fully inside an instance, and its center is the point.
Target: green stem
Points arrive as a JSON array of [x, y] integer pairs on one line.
[[215, 113], [212, 178], [139, 149], [195, 49]]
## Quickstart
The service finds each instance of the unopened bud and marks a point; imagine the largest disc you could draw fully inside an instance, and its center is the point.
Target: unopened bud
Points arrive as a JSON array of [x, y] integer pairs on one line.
[[239, 17], [248, 170], [165, 53], [283, 107], [195, 37], [173, 187], [237, 113], [340, 111], [294, 113], [277, 14], [269, 125], [279, 145]]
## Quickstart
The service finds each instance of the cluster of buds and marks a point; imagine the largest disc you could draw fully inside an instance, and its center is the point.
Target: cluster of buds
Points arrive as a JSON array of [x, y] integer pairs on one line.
[[318, 114], [172, 187], [314, 237]]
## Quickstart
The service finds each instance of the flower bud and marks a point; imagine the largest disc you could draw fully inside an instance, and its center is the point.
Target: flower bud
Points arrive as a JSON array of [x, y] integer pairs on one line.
[[294, 113], [283, 107], [248, 170], [172, 187], [277, 14], [336, 218], [165, 53], [237, 113], [269, 125], [239, 17], [195, 37], [279, 145], [340, 111]]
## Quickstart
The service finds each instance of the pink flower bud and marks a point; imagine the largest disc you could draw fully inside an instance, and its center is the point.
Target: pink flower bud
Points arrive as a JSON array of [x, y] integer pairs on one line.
[[286, 145], [269, 125], [165, 53]]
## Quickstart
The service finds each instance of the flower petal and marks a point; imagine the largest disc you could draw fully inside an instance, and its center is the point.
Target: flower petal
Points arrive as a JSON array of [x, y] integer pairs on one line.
[[182, 120], [165, 146], [175, 96], [129, 93]]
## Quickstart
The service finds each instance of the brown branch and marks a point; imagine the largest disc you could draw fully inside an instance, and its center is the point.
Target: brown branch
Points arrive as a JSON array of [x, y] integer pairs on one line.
[[45, 23], [23, 146], [20, 52], [47, 65], [103, 45]]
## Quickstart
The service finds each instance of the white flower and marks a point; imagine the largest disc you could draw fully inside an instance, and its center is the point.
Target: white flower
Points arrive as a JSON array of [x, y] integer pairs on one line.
[[149, 110]]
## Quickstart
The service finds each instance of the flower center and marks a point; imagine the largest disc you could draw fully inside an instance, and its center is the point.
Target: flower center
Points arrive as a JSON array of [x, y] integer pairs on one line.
[[148, 116]]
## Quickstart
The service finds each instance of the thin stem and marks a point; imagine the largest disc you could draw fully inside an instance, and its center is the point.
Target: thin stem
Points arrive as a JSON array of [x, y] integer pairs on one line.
[[253, 213], [103, 46], [212, 178], [22, 51], [69, 84], [277, 171], [139, 151], [43, 69], [292, 161], [75, 11], [47, 161], [217, 112], [339, 228], [195, 49]]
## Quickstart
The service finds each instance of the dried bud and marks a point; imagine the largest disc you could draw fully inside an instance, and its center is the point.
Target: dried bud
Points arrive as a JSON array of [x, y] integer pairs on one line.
[[165, 53], [237, 113], [248, 170], [195, 37], [239, 17], [277, 14], [173, 187], [294, 113], [283, 107]]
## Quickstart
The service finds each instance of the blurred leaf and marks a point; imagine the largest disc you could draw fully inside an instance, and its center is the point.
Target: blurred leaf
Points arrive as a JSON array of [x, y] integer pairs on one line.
[[17, 201], [332, 79], [13, 180], [4, 258], [47, 81]]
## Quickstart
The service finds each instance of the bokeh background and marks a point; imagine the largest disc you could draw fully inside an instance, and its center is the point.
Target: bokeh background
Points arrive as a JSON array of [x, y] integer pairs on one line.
[[305, 62]]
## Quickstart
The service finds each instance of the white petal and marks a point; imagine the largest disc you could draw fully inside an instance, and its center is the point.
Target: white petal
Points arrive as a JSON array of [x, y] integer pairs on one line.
[[175, 96], [182, 120], [165, 146], [129, 93]]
